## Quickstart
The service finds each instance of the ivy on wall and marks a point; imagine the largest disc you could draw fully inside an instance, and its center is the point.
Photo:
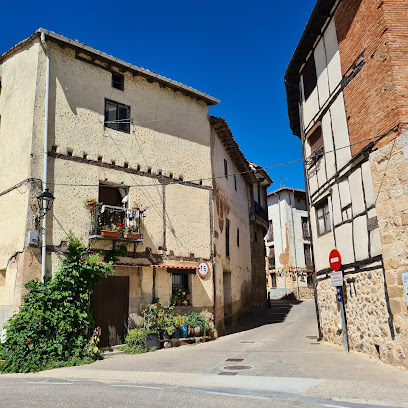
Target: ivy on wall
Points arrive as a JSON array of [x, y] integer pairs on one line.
[[54, 325]]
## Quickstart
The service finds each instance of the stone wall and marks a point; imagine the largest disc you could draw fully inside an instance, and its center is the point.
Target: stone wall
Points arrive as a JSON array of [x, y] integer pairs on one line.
[[389, 167], [368, 320]]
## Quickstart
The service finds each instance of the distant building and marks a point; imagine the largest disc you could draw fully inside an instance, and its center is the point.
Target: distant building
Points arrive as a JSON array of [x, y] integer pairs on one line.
[[289, 264]]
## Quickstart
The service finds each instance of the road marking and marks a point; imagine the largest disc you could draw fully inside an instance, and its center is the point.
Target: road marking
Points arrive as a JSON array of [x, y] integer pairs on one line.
[[234, 395], [137, 386], [48, 383], [335, 406]]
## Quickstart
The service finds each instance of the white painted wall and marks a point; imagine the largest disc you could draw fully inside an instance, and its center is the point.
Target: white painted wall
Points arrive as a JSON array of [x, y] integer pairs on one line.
[[284, 215]]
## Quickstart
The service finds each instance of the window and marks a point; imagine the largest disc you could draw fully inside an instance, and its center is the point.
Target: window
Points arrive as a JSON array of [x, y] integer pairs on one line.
[[110, 195], [273, 280], [237, 237], [305, 228], [225, 169], [117, 116], [118, 81], [315, 140], [235, 182], [227, 233], [256, 236], [271, 258], [179, 281], [308, 255], [269, 235], [323, 217], [309, 77]]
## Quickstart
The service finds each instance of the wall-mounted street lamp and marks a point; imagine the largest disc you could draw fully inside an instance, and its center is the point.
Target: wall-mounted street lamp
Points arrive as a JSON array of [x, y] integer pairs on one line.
[[45, 202]]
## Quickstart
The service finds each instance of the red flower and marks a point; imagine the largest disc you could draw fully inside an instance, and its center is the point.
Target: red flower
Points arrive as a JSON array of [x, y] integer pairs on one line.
[[28, 341]]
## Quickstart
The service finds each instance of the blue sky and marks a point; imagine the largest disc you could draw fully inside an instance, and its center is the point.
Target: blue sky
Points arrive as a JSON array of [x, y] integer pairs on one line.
[[235, 51]]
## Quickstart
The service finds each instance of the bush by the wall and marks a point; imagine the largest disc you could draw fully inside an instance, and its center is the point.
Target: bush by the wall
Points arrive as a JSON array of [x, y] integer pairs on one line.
[[54, 325], [136, 341]]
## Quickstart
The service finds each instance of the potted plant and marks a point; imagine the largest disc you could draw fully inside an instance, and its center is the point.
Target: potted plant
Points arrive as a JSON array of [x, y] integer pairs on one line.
[[132, 232], [112, 230], [188, 295], [181, 326], [178, 296], [136, 205], [90, 203], [195, 322]]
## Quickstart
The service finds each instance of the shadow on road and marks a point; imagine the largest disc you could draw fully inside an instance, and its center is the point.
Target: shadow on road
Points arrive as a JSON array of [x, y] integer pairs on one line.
[[276, 313]]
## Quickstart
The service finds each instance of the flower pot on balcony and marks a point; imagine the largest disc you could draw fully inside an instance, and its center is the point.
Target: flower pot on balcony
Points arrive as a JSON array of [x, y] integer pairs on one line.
[[110, 234], [133, 236], [91, 205]]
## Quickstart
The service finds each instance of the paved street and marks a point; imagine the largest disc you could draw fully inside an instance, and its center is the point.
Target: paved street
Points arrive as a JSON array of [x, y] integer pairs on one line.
[[272, 361]]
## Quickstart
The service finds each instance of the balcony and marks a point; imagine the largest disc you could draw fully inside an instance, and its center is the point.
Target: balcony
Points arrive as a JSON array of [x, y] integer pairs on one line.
[[117, 224], [259, 212]]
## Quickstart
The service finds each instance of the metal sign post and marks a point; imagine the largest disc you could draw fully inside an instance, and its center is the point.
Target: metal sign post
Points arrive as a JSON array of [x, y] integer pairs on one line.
[[337, 280], [339, 297]]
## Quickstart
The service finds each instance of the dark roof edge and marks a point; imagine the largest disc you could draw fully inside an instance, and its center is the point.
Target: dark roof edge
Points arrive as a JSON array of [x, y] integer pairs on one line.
[[224, 133], [284, 188], [318, 18], [152, 76]]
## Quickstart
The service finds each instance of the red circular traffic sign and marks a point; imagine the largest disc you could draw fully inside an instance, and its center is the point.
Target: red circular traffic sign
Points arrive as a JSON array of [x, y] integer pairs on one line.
[[335, 260]]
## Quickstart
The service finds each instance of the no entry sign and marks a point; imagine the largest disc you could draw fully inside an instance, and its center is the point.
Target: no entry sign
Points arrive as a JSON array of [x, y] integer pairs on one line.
[[335, 260]]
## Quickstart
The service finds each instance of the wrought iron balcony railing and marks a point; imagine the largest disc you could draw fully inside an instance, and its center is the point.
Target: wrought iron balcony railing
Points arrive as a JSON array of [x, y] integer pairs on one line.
[[117, 223], [258, 210]]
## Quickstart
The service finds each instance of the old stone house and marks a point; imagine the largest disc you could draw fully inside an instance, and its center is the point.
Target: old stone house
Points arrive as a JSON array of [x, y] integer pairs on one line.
[[289, 264], [86, 125], [239, 225], [346, 89]]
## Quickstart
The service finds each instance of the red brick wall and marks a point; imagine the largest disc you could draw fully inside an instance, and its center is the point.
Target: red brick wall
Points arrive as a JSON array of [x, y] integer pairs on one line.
[[376, 99]]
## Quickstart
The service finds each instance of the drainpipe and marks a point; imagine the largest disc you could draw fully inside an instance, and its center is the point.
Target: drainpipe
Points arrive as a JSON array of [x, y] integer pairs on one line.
[[44, 216], [308, 202], [294, 240]]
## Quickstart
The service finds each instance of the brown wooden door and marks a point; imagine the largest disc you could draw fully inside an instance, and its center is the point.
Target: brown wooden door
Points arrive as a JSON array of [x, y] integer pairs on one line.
[[110, 308]]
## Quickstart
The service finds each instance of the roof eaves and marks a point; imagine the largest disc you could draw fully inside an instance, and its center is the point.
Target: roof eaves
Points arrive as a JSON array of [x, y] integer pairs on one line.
[[187, 90], [224, 133], [284, 188], [322, 11]]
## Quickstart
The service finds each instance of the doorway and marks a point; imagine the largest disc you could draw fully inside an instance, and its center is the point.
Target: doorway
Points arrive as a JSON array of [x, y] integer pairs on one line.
[[227, 295], [110, 309]]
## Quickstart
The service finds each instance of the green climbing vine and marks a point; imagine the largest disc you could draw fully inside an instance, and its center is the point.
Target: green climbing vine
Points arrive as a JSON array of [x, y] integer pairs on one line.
[[53, 327]]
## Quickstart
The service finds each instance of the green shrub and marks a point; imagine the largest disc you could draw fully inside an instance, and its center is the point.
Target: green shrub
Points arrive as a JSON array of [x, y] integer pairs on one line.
[[195, 319], [136, 341], [54, 325]]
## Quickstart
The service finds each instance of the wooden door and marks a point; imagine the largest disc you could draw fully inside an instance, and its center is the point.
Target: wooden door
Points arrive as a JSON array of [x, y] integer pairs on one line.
[[110, 309]]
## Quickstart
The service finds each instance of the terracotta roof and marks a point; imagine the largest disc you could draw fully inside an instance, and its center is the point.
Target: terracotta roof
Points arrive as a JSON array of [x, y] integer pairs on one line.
[[155, 266], [112, 61]]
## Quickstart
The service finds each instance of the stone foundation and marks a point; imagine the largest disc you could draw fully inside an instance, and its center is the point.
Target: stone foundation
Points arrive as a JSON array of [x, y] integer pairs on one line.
[[389, 168]]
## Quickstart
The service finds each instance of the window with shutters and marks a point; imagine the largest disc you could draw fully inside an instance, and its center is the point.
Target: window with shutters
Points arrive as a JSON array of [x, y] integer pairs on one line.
[[315, 141]]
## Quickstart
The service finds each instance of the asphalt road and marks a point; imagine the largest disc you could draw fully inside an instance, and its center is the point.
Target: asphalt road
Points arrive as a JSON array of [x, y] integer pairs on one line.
[[273, 360]]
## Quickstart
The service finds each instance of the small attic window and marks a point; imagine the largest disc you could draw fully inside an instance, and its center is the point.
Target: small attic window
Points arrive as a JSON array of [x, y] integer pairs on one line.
[[118, 81]]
